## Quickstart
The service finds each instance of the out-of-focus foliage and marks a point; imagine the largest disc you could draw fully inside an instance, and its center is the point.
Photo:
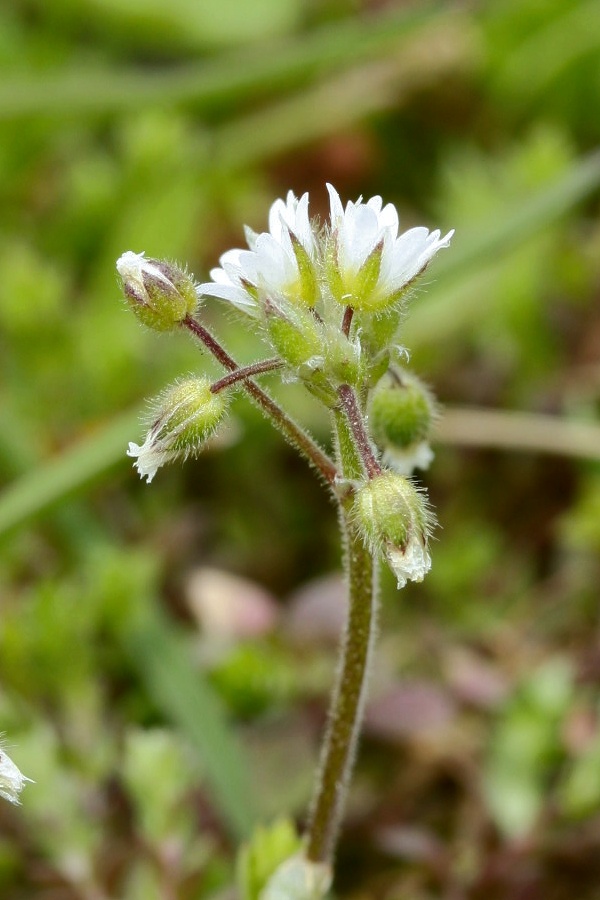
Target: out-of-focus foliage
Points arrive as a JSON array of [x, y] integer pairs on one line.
[[163, 716]]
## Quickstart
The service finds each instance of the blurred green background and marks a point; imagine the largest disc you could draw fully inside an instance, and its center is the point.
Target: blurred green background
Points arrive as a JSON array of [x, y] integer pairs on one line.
[[166, 651]]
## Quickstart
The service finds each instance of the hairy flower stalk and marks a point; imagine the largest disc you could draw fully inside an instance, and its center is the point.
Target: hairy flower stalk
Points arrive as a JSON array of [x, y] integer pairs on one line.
[[328, 301]]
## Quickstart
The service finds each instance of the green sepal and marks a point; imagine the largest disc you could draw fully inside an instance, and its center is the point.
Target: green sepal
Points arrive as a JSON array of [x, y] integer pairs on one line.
[[308, 291], [188, 413]]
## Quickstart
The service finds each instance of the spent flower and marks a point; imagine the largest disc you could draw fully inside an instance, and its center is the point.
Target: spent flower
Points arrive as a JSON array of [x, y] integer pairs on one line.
[[185, 416], [395, 519]]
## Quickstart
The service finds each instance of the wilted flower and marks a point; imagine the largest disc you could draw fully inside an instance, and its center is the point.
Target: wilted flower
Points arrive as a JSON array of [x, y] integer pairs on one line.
[[395, 519], [12, 780], [370, 264], [186, 414]]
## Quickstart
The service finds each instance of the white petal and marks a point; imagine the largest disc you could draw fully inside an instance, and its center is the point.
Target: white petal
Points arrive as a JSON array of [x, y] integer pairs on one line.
[[404, 462], [303, 228], [132, 266], [148, 460], [223, 289], [277, 268], [412, 564], [129, 264], [335, 206], [12, 780]]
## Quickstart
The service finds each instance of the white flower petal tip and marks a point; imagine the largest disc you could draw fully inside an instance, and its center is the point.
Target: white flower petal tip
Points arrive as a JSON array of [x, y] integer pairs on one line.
[[129, 264], [404, 462], [148, 460], [395, 519], [185, 415], [411, 564], [12, 780]]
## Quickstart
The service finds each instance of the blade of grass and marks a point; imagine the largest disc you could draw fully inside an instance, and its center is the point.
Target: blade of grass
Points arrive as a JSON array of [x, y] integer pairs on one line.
[[78, 465], [518, 431], [183, 695], [542, 58], [230, 78]]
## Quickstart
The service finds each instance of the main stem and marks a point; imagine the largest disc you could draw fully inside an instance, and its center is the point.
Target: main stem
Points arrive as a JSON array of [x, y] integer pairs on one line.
[[347, 703]]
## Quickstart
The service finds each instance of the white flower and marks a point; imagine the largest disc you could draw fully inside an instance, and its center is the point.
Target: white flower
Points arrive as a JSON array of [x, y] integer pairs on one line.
[[278, 265], [374, 264], [298, 878], [12, 780], [370, 266]]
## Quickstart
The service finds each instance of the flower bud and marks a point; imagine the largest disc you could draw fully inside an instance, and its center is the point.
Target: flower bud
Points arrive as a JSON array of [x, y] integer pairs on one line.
[[400, 417], [395, 519], [186, 415], [160, 293], [12, 780]]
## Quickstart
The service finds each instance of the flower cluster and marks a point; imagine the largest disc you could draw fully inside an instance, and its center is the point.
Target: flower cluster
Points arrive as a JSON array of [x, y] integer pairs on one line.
[[359, 258], [328, 301]]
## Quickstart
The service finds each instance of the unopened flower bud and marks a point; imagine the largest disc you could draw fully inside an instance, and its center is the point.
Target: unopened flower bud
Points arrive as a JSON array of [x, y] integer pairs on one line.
[[186, 415], [395, 519], [160, 293], [12, 780], [400, 416]]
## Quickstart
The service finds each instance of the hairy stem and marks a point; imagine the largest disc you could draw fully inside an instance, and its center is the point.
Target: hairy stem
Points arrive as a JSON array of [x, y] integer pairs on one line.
[[257, 368], [347, 703], [292, 431], [356, 422]]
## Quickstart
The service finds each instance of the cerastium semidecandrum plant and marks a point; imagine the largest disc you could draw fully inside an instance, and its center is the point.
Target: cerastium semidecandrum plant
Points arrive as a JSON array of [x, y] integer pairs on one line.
[[329, 300]]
